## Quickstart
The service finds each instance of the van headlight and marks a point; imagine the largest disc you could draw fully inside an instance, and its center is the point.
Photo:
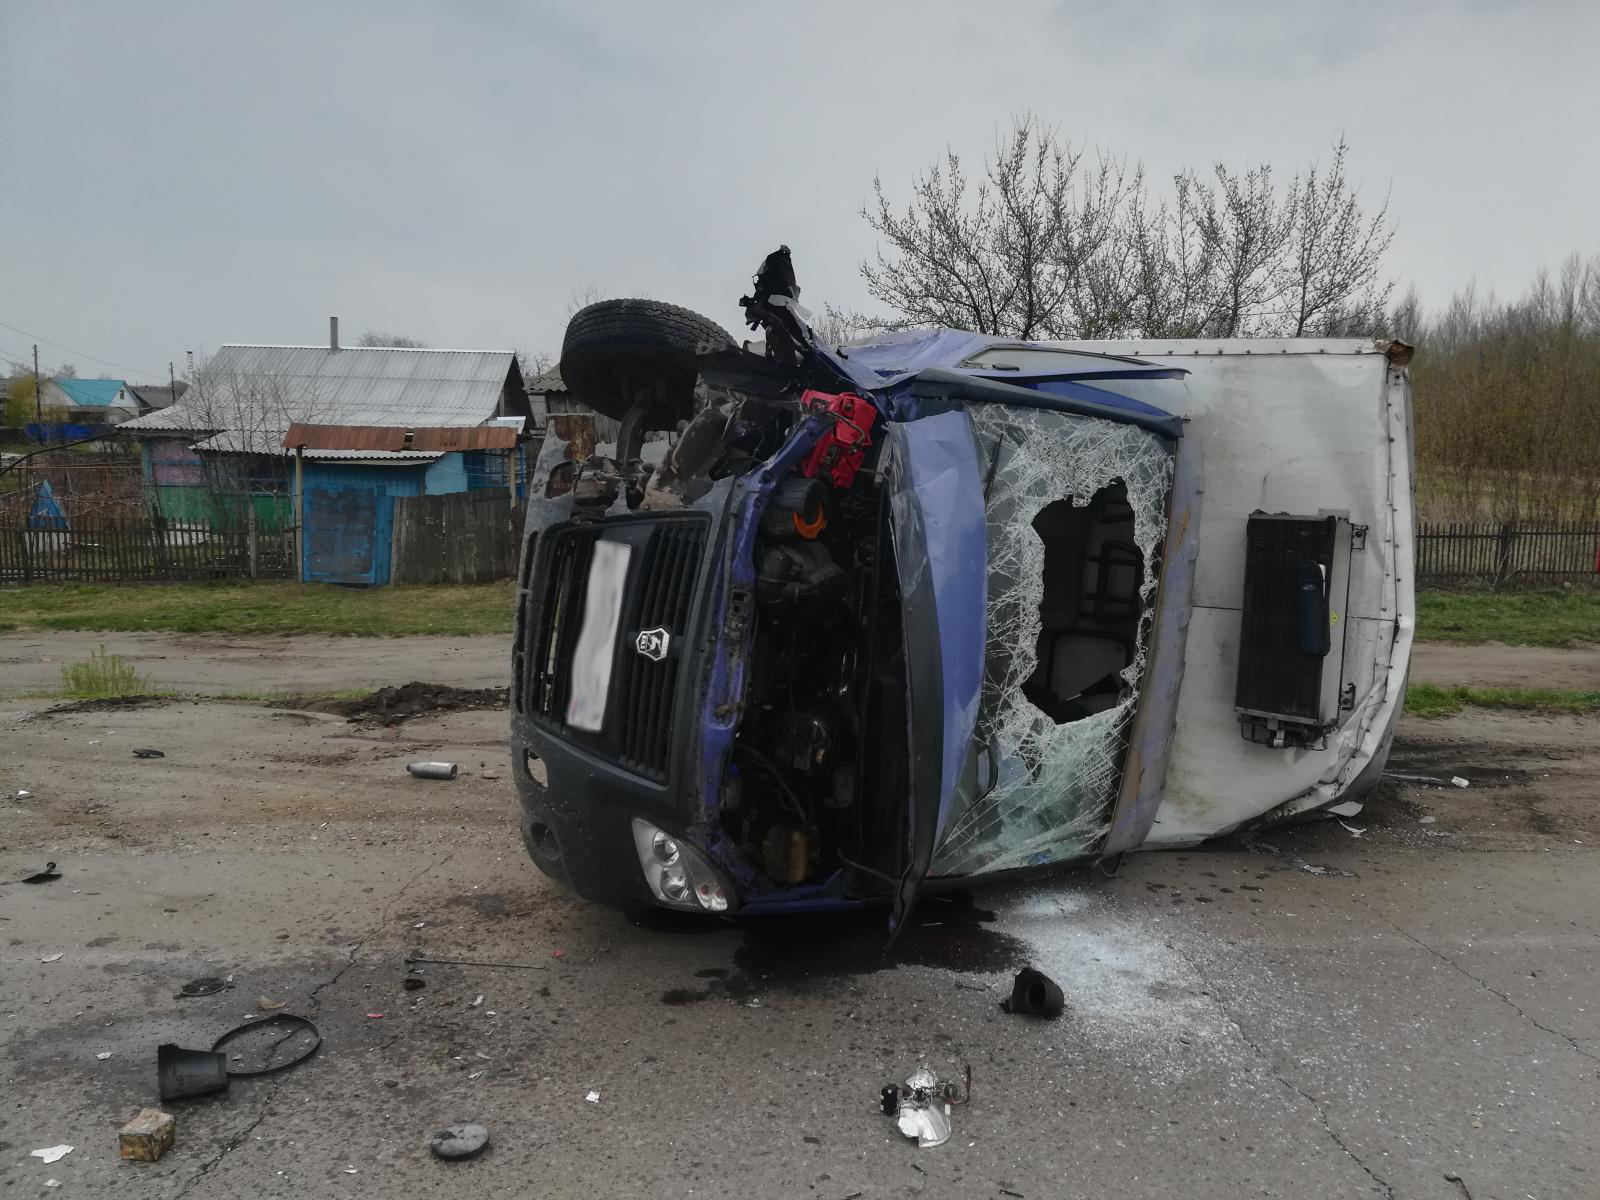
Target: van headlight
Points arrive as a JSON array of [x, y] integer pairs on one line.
[[678, 874]]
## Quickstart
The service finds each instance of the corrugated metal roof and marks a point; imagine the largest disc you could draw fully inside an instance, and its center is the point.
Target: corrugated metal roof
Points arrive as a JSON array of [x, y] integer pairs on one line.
[[96, 393], [440, 439], [253, 393], [550, 381]]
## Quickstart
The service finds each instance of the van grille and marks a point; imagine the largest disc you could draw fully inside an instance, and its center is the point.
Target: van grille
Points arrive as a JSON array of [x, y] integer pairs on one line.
[[640, 708]]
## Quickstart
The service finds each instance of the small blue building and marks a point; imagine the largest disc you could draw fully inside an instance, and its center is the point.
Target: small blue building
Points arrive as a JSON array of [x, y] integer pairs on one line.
[[403, 421]]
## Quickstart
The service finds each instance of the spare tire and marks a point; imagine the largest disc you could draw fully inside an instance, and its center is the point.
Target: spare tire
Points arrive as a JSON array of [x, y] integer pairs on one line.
[[618, 352]]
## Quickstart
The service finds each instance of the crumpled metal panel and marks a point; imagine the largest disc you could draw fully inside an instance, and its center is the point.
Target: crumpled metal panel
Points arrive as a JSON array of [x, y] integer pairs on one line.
[[1050, 796]]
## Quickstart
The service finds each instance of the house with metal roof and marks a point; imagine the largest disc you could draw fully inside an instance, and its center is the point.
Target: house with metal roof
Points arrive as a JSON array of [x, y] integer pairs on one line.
[[222, 451], [89, 401]]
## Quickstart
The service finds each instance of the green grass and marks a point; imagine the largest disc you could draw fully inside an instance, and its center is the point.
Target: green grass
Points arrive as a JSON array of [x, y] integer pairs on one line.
[[1430, 700], [102, 677], [1539, 618], [257, 608]]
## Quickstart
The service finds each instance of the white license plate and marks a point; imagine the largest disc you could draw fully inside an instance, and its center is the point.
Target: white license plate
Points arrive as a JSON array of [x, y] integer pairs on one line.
[[597, 636]]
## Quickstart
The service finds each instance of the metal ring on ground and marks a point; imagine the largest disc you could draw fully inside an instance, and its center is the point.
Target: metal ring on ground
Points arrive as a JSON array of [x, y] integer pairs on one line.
[[276, 1018]]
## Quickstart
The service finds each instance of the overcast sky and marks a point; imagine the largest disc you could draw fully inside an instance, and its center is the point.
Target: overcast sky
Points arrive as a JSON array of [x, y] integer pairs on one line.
[[180, 175]]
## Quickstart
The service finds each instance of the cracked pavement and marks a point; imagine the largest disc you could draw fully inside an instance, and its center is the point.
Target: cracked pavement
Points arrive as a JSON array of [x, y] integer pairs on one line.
[[1423, 1026]]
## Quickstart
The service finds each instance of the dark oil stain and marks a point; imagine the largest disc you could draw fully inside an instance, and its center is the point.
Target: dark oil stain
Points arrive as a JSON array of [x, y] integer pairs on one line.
[[802, 953]]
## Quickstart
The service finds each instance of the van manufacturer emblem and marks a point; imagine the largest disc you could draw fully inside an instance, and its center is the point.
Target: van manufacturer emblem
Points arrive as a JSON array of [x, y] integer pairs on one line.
[[653, 643]]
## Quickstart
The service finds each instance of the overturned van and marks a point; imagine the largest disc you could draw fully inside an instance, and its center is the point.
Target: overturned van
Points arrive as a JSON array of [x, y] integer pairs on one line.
[[877, 620]]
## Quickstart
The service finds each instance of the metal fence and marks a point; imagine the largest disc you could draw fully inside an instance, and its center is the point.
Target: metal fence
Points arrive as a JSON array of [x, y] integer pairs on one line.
[[1499, 554], [144, 552]]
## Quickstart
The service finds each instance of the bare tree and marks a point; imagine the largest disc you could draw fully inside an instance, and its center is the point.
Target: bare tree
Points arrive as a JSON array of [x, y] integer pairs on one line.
[[1331, 275], [1042, 244], [379, 339]]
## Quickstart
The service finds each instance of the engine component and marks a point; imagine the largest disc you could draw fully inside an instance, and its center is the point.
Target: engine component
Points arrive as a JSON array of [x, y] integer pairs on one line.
[[786, 855], [797, 509], [798, 571], [843, 794], [804, 742], [839, 451]]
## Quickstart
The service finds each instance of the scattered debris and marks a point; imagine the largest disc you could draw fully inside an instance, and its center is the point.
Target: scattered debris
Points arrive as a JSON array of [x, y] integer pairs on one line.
[[45, 876], [1460, 782], [558, 954], [145, 753], [310, 1033], [593, 1097], [477, 1001], [50, 958], [206, 985], [52, 1183], [1426, 820], [1035, 994], [21, 795], [1301, 864], [262, 1002], [921, 1108], [375, 1016], [472, 962], [182, 1073], [412, 983], [103, 1055], [51, 1154], [459, 1141], [1352, 830], [433, 770], [148, 1136]]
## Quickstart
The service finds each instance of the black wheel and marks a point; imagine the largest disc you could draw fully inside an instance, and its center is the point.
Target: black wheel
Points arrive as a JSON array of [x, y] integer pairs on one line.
[[620, 352]]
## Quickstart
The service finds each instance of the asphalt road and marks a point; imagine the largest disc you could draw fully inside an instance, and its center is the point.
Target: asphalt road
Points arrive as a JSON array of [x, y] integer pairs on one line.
[[1351, 1010]]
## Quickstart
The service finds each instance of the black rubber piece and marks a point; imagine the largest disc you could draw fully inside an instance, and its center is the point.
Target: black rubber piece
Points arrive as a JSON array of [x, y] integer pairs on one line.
[[1034, 993], [275, 1019], [619, 351]]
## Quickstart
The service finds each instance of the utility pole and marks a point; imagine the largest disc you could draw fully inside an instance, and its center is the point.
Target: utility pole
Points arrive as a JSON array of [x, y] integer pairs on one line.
[[38, 388], [172, 380]]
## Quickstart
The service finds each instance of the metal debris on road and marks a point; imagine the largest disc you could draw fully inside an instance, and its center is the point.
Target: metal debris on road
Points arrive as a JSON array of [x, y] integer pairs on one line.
[[206, 985], [922, 1107], [477, 1001], [181, 1073], [45, 876], [103, 1055], [593, 1097], [51, 1153], [148, 1136], [146, 753], [412, 983], [1034, 994], [1460, 782], [433, 770], [459, 1141], [472, 962], [50, 958]]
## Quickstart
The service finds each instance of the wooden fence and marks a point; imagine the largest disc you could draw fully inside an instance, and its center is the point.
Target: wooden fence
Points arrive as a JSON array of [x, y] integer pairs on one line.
[[1499, 554], [144, 552], [462, 537]]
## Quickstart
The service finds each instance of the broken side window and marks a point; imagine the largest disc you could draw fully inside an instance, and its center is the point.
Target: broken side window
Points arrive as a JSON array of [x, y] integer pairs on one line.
[[1076, 514]]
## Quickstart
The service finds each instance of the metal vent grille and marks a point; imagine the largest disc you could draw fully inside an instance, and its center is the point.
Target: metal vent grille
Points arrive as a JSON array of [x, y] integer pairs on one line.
[[671, 564], [1279, 675], [669, 554]]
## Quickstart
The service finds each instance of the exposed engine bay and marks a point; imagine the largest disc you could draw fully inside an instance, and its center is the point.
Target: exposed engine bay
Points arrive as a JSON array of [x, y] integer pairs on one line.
[[808, 789]]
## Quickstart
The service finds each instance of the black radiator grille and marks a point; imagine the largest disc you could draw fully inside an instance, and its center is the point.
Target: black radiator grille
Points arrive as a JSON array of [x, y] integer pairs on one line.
[[667, 557], [1276, 674]]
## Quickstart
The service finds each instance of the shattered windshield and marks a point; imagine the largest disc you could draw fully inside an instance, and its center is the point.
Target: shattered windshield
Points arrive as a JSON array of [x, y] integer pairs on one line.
[[1076, 515]]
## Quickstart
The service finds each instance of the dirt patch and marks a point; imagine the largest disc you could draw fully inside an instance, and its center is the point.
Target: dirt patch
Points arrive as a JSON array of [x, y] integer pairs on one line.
[[392, 705], [114, 704]]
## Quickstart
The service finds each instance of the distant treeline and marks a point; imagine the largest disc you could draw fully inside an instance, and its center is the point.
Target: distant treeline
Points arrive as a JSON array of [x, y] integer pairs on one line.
[[1508, 402]]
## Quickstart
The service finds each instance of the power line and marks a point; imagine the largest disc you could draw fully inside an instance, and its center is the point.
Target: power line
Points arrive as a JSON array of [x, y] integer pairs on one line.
[[156, 375]]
